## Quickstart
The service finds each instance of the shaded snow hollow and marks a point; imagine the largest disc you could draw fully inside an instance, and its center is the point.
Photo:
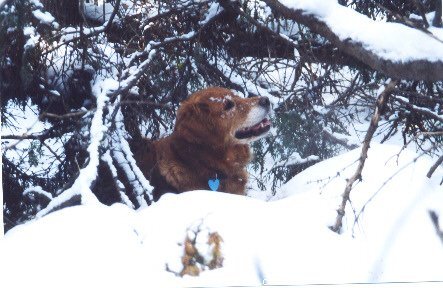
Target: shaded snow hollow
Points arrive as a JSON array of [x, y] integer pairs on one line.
[[283, 241]]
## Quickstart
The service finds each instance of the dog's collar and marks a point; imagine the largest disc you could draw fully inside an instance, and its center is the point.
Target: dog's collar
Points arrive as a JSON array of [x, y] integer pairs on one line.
[[219, 175]]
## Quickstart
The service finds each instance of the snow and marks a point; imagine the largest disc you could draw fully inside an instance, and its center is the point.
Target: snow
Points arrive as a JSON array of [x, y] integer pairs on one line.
[[27, 122], [213, 11], [33, 38], [390, 41], [43, 17], [95, 12], [295, 159], [285, 241]]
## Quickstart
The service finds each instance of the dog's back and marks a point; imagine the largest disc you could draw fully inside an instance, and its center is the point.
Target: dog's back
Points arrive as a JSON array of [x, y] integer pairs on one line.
[[146, 156]]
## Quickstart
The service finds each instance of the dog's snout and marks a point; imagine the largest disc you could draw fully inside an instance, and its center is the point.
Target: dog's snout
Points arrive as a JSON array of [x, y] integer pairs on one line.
[[264, 102]]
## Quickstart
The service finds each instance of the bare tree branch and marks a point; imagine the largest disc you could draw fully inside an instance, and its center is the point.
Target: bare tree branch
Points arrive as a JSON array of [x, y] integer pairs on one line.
[[379, 108], [412, 70], [421, 10]]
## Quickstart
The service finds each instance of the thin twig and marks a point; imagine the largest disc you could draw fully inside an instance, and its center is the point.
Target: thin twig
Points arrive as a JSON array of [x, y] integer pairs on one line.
[[434, 167], [379, 108], [52, 151], [385, 183], [146, 103], [406, 21], [435, 221], [62, 116]]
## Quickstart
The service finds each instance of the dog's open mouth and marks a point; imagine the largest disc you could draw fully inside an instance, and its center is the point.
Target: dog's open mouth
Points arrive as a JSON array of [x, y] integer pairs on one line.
[[253, 131]]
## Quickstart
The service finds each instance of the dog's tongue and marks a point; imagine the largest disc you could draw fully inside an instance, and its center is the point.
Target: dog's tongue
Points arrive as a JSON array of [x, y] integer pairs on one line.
[[256, 130], [260, 125]]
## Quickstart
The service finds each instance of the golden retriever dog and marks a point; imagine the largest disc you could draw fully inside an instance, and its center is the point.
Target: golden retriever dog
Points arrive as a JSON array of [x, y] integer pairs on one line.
[[209, 147]]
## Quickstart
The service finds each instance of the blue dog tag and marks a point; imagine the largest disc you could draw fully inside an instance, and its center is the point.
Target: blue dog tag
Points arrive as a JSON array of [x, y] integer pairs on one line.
[[213, 184]]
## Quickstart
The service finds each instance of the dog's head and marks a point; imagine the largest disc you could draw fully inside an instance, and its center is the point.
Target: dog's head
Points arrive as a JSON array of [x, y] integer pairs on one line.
[[218, 116]]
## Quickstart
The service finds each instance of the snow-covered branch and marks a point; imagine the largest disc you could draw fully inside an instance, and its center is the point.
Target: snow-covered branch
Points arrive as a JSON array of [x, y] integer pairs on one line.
[[38, 190], [82, 186], [339, 139], [89, 32], [123, 156], [424, 111], [394, 49]]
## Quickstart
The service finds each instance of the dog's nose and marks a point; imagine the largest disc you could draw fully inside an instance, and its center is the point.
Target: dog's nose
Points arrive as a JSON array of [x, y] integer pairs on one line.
[[264, 102]]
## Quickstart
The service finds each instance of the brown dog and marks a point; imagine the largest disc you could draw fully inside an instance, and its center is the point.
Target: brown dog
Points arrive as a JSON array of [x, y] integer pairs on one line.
[[210, 141]]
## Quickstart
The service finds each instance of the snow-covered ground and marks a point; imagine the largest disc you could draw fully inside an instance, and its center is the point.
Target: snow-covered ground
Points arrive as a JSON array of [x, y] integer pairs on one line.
[[285, 241]]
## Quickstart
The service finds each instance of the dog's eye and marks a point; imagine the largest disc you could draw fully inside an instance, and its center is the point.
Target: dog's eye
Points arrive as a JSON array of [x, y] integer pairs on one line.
[[229, 105]]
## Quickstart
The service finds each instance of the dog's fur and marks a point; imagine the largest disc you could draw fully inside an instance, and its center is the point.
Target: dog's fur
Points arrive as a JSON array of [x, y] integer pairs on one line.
[[204, 145]]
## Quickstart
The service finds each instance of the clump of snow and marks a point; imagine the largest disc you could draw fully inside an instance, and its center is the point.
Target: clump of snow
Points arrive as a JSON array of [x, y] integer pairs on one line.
[[215, 99], [296, 158], [43, 17], [38, 190], [281, 242], [213, 11], [95, 12], [33, 37]]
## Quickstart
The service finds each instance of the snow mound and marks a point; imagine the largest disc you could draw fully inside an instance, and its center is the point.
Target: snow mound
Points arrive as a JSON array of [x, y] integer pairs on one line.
[[281, 242]]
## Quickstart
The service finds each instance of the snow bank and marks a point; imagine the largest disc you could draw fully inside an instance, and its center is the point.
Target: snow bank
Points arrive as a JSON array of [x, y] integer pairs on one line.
[[285, 241], [393, 214], [390, 41]]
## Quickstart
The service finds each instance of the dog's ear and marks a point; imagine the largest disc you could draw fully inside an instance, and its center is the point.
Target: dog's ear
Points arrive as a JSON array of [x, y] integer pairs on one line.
[[192, 121], [202, 107], [188, 114], [187, 111], [192, 110]]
